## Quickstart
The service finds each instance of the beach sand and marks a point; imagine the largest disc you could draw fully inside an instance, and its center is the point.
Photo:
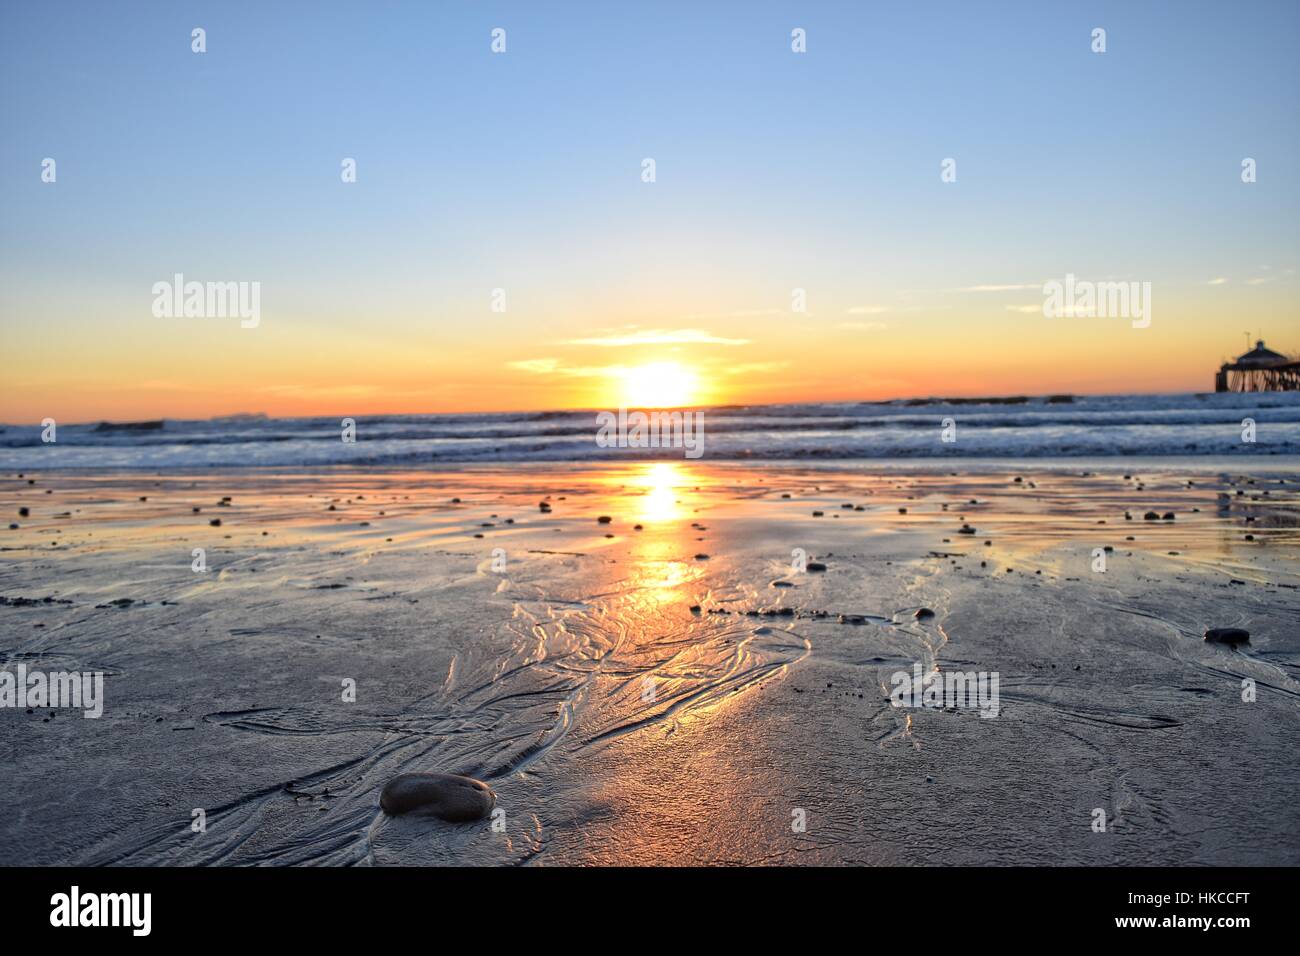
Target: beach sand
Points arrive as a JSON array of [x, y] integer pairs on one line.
[[618, 724]]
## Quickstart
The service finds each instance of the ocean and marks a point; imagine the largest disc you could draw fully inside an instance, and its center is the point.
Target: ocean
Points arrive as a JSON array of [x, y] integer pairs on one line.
[[1020, 428]]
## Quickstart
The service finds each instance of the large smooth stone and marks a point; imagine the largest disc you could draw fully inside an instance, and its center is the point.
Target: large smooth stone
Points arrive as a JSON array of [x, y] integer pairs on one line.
[[447, 796], [1227, 635]]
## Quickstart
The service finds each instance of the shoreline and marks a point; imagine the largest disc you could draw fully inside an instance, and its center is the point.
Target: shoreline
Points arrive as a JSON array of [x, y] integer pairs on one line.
[[1261, 465]]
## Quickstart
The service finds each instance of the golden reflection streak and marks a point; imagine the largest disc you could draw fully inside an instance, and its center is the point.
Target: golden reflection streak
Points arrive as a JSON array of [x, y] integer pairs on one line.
[[664, 558], [659, 501]]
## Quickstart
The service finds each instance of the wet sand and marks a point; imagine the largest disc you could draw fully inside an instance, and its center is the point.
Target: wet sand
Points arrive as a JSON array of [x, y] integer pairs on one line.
[[678, 694]]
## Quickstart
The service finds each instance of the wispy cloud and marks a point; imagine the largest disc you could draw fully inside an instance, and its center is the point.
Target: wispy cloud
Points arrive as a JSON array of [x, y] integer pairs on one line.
[[749, 367], [656, 337], [1011, 287], [550, 366], [1026, 309], [736, 314], [864, 326], [1219, 281]]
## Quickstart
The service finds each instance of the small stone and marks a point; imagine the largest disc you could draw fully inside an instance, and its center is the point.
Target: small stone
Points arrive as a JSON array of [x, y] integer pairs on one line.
[[604, 519], [1150, 516], [1228, 635], [816, 566], [923, 612], [447, 796], [701, 557]]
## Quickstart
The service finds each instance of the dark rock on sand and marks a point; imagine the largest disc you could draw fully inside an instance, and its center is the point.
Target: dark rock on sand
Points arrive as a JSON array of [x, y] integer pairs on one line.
[[816, 566], [923, 612], [1228, 635], [447, 796], [604, 519], [1150, 516]]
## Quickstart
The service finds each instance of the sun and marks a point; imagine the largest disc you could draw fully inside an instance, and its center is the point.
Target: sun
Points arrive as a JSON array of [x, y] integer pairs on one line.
[[658, 385]]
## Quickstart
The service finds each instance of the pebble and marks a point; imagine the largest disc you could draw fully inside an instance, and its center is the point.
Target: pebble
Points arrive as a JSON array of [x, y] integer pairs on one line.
[[1228, 635], [447, 796]]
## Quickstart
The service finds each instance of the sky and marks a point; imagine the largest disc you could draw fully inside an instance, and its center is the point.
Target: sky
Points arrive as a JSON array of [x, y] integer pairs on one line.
[[522, 171]]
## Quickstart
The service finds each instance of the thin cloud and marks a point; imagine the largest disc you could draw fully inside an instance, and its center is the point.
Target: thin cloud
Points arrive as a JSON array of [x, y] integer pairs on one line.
[[657, 337], [751, 367], [736, 314], [1012, 287], [864, 326], [550, 366]]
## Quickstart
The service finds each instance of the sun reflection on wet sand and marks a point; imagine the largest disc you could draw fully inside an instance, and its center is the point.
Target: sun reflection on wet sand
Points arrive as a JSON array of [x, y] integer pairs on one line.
[[663, 569], [658, 500]]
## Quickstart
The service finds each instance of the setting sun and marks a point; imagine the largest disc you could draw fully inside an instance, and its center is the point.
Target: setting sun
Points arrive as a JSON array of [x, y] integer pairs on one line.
[[658, 385]]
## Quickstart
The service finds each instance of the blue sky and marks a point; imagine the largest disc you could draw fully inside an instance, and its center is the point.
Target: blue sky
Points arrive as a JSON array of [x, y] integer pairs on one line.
[[521, 170]]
